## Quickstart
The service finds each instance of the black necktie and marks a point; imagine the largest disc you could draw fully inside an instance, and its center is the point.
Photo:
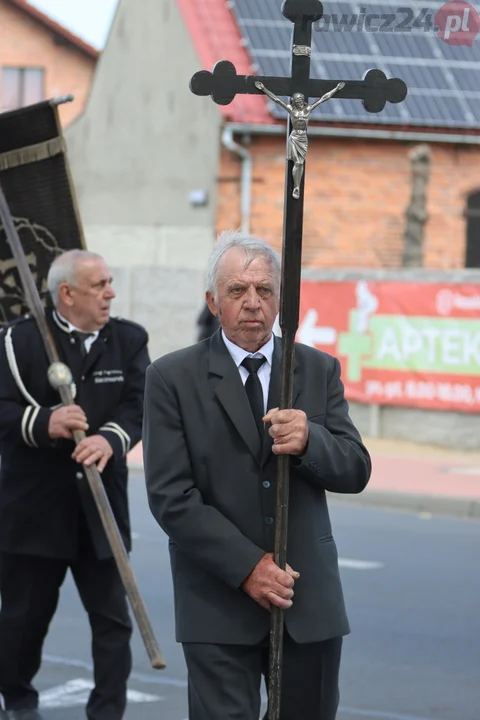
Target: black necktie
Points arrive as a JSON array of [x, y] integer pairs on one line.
[[81, 337], [253, 386]]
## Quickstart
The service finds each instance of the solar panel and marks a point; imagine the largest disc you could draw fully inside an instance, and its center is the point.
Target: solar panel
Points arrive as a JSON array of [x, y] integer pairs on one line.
[[339, 42], [406, 46], [443, 79]]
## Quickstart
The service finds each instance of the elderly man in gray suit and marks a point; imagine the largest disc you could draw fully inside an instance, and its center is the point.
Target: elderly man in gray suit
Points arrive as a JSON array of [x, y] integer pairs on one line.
[[212, 431]]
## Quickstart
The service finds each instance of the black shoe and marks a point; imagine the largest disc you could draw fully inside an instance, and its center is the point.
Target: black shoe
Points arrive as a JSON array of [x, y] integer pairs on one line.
[[30, 714]]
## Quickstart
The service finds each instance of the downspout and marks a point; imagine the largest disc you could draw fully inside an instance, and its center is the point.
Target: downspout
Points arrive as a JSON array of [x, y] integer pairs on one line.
[[246, 176]]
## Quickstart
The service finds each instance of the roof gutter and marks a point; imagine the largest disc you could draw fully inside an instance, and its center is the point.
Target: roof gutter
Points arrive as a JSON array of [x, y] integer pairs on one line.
[[363, 133], [246, 179]]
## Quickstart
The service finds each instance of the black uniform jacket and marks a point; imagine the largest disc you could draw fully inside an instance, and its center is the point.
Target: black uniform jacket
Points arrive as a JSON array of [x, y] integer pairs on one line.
[[42, 489]]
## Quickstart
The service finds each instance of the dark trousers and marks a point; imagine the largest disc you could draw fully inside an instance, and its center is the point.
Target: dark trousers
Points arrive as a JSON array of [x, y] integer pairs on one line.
[[224, 680], [29, 589]]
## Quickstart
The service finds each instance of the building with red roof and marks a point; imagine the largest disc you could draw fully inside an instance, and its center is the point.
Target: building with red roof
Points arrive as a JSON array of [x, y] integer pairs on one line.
[[40, 59]]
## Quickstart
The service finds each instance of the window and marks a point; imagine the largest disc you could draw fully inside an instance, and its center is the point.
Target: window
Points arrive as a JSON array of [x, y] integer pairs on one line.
[[473, 231], [21, 86]]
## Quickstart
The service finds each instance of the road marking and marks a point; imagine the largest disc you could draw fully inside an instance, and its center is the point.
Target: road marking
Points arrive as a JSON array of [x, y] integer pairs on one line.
[[152, 679], [464, 470], [76, 692], [359, 564]]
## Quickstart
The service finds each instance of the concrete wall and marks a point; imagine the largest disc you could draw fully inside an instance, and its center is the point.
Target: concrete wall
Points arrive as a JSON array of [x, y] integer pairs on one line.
[[448, 429], [144, 143], [460, 431], [159, 281]]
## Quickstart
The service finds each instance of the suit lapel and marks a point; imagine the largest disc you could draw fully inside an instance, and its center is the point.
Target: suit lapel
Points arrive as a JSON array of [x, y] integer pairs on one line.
[[231, 394], [274, 393]]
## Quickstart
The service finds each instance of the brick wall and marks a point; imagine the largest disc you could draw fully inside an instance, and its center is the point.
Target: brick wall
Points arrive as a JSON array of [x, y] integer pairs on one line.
[[24, 42], [356, 195]]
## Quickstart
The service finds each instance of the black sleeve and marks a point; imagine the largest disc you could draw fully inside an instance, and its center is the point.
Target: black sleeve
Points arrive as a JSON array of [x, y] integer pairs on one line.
[[335, 458], [22, 420], [124, 430]]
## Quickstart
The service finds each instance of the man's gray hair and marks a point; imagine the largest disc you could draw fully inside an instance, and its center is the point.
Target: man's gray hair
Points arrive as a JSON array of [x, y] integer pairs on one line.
[[64, 270], [253, 246]]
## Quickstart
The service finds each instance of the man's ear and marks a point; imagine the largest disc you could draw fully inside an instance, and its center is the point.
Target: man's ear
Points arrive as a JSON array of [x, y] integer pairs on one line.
[[65, 294], [212, 305]]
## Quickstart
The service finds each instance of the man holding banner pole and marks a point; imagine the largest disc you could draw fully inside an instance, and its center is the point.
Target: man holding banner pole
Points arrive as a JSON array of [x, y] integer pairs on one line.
[[48, 519]]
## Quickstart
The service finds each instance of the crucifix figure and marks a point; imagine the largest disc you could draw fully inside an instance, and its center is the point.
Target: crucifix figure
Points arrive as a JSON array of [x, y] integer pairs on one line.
[[300, 114], [223, 84]]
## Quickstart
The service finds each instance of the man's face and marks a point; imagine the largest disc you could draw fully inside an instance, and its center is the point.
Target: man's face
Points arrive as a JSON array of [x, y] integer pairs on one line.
[[87, 304], [247, 303]]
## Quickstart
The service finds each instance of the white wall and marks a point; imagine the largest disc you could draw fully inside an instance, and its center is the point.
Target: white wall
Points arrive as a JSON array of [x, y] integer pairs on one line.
[[143, 144]]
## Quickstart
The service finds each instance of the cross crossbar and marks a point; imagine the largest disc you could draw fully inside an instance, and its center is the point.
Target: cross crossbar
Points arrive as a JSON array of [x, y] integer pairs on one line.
[[223, 84]]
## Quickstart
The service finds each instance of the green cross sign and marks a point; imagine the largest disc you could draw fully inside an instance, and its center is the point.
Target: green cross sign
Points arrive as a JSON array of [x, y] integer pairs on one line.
[[355, 345]]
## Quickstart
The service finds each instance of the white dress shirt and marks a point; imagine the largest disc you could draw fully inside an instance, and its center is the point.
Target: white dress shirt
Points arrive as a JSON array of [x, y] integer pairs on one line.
[[89, 341], [265, 371]]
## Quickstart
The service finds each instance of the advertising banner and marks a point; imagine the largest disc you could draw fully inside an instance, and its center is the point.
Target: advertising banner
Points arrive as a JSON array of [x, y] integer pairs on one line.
[[400, 343]]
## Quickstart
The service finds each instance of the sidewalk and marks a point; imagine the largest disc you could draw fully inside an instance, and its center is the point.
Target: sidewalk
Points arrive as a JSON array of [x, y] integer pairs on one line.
[[420, 478]]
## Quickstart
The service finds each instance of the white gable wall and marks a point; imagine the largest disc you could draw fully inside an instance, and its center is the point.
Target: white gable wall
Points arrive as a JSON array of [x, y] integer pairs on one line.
[[143, 144]]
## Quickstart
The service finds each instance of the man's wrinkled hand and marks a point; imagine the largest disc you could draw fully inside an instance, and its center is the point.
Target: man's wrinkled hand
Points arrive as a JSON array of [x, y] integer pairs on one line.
[[64, 420], [94, 449], [268, 585], [289, 430]]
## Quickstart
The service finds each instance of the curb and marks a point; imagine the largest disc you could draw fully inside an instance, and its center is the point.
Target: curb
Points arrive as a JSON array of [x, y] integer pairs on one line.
[[413, 502]]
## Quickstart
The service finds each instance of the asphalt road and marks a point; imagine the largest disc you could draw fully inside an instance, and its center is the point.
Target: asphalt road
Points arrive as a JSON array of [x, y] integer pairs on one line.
[[412, 588]]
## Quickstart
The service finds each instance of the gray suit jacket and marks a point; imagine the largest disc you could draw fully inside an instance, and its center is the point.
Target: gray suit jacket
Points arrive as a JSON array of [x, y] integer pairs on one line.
[[212, 490]]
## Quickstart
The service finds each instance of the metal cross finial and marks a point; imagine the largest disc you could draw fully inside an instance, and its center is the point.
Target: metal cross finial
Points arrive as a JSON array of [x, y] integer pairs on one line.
[[302, 10]]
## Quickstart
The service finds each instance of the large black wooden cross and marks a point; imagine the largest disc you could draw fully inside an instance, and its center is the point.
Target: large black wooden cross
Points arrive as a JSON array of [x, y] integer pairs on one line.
[[223, 84]]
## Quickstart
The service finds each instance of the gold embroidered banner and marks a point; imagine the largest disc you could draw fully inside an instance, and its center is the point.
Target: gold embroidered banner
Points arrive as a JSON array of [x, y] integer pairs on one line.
[[36, 181]]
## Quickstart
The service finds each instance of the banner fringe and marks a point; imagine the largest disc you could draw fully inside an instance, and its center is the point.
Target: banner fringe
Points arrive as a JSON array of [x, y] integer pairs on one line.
[[32, 153]]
